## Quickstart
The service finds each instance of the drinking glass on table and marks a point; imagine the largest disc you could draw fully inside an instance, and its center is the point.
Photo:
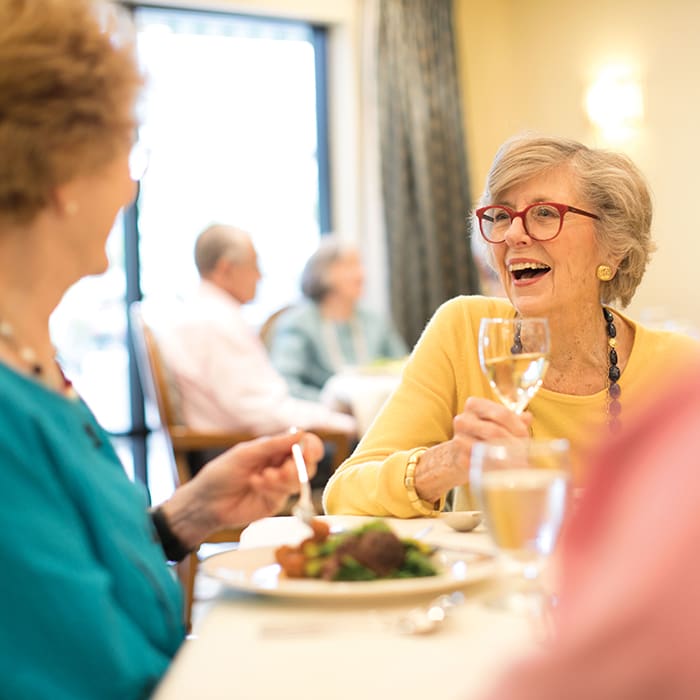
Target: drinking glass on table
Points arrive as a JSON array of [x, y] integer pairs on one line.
[[523, 487], [514, 356]]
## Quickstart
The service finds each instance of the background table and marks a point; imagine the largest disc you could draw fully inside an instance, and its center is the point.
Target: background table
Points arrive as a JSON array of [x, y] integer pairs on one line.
[[361, 392], [265, 647]]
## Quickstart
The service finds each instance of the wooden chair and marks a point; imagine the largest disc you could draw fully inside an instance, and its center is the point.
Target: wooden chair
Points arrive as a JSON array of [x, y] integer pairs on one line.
[[182, 441], [342, 444], [268, 326]]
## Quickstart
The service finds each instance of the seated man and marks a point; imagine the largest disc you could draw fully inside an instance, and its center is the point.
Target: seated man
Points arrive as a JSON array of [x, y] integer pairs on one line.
[[225, 377]]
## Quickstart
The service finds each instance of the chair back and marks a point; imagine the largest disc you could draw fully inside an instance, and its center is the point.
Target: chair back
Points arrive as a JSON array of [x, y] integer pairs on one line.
[[156, 387], [160, 388], [268, 327], [156, 383]]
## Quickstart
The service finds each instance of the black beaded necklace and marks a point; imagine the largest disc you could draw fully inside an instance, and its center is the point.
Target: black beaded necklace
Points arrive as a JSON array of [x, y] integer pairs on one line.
[[614, 390], [614, 408]]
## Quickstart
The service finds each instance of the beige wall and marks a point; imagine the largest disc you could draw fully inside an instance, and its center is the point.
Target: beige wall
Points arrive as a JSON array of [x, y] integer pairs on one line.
[[541, 55]]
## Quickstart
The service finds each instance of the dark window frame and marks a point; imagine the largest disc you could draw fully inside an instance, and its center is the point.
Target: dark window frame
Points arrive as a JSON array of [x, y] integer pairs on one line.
[[139, 431]]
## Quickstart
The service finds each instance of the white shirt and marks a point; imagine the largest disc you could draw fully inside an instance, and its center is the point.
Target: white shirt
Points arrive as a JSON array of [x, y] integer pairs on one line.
[[224, 374]]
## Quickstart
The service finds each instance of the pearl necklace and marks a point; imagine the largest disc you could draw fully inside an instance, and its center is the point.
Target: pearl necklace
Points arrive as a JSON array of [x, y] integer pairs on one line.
[[30, 358]]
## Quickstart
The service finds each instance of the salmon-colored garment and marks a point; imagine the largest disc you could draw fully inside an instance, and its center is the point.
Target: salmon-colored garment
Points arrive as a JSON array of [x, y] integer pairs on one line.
[[629, 619]]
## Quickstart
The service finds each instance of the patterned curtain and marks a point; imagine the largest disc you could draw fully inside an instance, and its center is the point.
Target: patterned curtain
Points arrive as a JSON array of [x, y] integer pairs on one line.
[[425, 185]]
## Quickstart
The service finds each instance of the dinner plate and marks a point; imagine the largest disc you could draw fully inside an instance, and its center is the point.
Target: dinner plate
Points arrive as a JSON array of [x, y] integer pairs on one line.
[[255, 571]]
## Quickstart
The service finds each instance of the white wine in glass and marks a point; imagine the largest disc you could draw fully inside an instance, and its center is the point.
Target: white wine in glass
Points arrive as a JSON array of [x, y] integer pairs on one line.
[[514, 356], [522, 486]]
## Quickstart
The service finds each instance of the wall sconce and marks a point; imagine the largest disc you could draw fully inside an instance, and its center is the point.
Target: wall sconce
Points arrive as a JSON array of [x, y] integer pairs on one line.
[[614, 103]]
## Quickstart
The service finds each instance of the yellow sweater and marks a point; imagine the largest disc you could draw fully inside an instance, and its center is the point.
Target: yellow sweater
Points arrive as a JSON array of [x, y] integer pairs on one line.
[[443, 371]]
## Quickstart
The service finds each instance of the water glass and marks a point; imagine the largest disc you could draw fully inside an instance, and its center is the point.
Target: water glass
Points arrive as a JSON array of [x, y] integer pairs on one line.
[[523, 488]]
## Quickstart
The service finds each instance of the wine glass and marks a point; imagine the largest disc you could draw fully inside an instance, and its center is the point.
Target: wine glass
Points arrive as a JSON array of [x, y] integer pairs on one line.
[[514, 356], [523, 488]]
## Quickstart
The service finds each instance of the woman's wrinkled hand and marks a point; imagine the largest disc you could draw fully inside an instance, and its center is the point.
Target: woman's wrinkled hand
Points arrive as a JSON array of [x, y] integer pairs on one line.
[[252, 480], [447, 465]]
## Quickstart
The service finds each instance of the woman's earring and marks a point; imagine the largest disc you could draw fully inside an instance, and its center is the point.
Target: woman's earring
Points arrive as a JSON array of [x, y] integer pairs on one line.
[[604, 273], [71, 207]]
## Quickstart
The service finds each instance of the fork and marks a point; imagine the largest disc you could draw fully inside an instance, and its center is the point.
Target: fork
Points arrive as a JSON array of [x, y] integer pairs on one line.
[[304, 507]]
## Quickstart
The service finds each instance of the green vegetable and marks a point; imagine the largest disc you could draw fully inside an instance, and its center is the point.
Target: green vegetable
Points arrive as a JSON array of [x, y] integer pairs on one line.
[[312, 568], [352, 570], [416, 564], [311, 550]]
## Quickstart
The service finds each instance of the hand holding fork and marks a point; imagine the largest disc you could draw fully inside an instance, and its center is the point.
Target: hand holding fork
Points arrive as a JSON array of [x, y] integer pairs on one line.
[[304, 508]]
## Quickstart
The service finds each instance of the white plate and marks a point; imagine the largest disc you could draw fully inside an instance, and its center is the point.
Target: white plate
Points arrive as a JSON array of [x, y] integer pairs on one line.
[[255, 571]]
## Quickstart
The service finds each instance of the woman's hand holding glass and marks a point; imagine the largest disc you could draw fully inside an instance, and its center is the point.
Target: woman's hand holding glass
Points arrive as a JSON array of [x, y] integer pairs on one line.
[[446, 465], [514, 357]]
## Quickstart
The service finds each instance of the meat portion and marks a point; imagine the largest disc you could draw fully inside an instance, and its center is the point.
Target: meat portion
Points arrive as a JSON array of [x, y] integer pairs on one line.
[[371, 551], [381, 552]]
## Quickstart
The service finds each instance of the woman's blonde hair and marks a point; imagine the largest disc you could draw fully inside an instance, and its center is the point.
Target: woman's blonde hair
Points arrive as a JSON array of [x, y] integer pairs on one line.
[[609, 183], [69, 80]]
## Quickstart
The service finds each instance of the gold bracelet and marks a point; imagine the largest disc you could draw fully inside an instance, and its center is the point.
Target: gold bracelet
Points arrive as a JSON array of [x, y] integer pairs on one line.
[[409, 481]]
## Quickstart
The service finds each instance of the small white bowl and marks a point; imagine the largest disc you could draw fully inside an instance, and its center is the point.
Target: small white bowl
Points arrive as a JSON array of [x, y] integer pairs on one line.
[[462, 520]]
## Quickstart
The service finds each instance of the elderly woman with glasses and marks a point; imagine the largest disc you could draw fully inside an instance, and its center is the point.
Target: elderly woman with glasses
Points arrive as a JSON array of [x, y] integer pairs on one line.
[[567, 228]]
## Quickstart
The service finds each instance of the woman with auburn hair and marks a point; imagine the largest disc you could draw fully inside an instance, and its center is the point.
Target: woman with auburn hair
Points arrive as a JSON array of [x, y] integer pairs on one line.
[[568, 230], [89, 607]]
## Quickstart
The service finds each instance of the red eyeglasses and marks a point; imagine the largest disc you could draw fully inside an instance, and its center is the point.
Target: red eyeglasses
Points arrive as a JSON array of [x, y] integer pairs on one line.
[[541, 220]]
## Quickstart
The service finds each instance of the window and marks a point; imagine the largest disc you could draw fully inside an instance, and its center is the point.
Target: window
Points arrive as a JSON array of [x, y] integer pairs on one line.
[[230, 118], [234, 119], [89, 331]]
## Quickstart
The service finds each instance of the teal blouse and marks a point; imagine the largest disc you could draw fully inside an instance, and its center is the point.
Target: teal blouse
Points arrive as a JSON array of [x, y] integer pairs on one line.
[[306, 349], [88, 605]]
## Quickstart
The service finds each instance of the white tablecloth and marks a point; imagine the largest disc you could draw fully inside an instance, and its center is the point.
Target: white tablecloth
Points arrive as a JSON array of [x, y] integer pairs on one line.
[[361, 393], [265, 647]]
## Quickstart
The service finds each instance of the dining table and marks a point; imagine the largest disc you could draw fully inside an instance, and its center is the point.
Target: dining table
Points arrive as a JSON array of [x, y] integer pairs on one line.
[[265, 636], [362, 390]]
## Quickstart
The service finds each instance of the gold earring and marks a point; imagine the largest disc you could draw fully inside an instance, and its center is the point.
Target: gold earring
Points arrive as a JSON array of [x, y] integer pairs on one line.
[[604, 273], [71, 208]]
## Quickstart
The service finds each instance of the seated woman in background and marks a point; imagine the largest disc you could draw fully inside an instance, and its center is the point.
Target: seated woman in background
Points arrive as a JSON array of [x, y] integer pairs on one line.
[[568, 230], [316, 339]]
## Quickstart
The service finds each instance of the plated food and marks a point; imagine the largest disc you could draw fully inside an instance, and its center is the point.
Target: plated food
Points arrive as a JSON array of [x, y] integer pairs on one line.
[[257, 570], [369, 552]]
